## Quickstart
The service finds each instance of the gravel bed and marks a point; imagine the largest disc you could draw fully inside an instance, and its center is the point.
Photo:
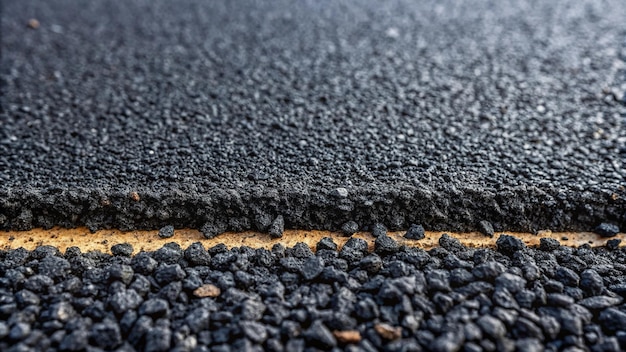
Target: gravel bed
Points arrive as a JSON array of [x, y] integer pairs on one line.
[[293, 299]]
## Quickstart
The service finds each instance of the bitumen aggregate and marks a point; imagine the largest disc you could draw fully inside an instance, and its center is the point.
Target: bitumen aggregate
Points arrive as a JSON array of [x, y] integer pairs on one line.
[[238, 115], [451, 298]]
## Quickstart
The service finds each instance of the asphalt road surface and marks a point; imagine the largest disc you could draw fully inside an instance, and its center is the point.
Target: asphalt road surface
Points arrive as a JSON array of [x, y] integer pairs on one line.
[[229, 114]]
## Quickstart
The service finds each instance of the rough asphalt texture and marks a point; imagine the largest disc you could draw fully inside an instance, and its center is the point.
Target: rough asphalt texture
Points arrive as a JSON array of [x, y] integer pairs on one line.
[[218, 113], [551, 298]]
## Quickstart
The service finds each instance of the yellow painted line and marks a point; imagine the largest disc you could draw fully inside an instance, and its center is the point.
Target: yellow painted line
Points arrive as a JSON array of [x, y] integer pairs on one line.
[[144, 240]]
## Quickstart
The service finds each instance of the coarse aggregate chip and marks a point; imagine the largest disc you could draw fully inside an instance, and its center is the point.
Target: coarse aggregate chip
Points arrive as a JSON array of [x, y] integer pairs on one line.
[[451, 298], [225, 115]]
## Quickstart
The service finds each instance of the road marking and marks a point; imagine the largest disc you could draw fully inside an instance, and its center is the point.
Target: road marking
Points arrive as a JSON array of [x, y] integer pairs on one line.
[[144, 240]]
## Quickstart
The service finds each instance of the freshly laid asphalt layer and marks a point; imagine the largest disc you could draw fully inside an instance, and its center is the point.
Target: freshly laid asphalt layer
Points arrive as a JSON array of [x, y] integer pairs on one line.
[[451, 298], [329, 115], [230, 114]]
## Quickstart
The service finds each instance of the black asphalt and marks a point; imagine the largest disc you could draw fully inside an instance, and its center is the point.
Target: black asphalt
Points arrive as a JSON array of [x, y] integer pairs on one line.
[[230, 114]]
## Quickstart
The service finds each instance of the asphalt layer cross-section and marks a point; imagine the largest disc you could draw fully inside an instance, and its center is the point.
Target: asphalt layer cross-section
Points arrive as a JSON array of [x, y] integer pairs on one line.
[[229, 114]]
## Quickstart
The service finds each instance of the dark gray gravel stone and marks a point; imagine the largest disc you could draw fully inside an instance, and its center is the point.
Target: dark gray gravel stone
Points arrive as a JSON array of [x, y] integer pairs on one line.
[[124, 301], [170, 253], [378, 230], [386, 245], [613, 243], [254, 331], [509, 244], [19, 331], [61, 311], [486, 228], [252, 310], [143, 263], [438, 280], [549, 244], [607, 230], [106, 334], [559, 300], [312, 267], [26, 298], [122, 249], [491, 326], [196, 254], [355, 244], [54, 267], [528, 345], [212, 229], [488, 271], [349, 228], [450, 243], [158, 339], [567, 276], [612, 319], [121, 272], [591, 282], [326, 243], [318, 335], [371, 263], [198, 319], [513, 283], [415, 232], [154, 307], [169, 273], [263, 221], [600, 302], [166, 231], [76, 340], [339, 192], [277, 227]]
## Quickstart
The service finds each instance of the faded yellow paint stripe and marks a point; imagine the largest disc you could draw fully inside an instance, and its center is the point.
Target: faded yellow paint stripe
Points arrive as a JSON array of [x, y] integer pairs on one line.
[[143, 240]]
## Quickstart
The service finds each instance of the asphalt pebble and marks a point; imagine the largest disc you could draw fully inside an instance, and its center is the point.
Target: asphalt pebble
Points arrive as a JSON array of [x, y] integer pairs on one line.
[[386, 245], [326, 243], [607, 230], [122, 249], [486, 228], [549, 244], [349, 228], [318, 335], [166, 231], [613, 243], [509, 244], [277, 227], [378, 230], [415, 232]]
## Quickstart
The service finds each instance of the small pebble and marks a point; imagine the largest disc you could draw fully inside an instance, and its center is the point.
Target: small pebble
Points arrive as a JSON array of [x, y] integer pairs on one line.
[[415, 232], [207, 290], [348, 336], [607, 230], [166, 231], [33, 23], [349, 228]]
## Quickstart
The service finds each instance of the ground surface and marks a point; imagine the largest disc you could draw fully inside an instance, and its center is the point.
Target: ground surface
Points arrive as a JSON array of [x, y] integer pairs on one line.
[[439, 113], [147, 240]]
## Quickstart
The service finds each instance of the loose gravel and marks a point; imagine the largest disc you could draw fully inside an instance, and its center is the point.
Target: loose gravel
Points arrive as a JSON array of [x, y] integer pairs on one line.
[[224, 115], [551, 298]]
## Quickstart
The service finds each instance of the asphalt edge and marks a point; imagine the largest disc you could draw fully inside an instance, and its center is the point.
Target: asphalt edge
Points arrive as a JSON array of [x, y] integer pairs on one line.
[[522, 209]]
